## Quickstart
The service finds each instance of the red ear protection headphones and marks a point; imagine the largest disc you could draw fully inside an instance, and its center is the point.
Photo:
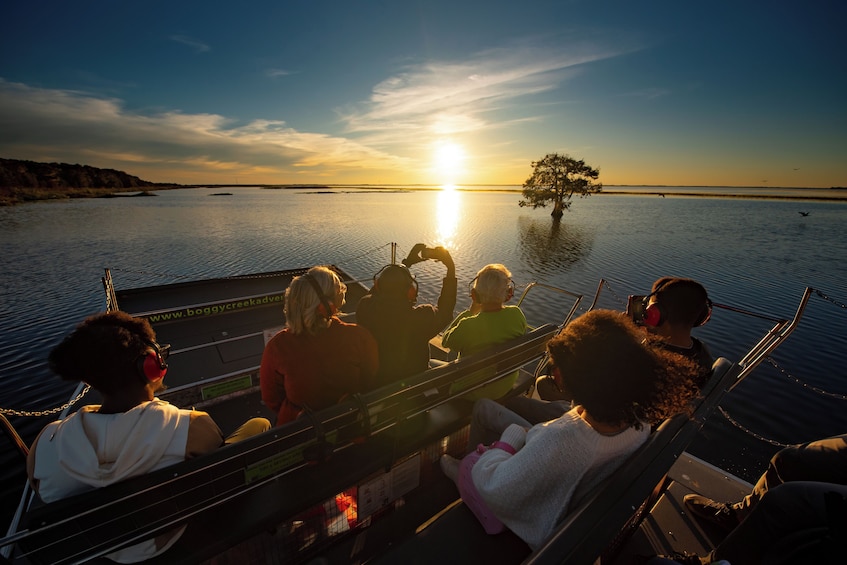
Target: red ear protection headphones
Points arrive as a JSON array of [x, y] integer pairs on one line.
[[653, 315], [152, 364], [412, 292], [327, 307]]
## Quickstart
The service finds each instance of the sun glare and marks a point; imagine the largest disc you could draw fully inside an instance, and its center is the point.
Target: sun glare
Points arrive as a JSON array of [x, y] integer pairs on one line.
[[449, 210], [448, 162]]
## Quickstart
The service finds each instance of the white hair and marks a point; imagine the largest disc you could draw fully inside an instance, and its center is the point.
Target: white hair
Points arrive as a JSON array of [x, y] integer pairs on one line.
[[492, 283]]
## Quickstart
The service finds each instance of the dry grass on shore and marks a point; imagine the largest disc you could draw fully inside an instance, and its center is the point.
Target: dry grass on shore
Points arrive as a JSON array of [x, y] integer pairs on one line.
[[11, 196]]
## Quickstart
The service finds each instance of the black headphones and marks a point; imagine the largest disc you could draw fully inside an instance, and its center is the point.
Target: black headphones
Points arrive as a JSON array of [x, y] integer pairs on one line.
[[654, 316], [412, 292], [510, 291], [326, 308], [152, 364]]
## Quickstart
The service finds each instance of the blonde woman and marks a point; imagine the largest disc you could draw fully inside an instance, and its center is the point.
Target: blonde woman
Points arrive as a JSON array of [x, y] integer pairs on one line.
[[317, 359]]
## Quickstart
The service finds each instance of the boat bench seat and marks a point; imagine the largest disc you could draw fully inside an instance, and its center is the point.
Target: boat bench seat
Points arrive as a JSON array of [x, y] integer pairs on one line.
[[613, 508], [243, 489]]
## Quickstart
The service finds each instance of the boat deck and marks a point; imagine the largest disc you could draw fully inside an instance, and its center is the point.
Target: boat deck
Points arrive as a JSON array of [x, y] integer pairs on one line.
[[218, 329], [666, 529], [669, 527]]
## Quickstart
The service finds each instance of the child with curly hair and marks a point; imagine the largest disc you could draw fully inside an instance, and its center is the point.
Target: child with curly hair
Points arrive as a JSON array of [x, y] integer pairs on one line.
[[530, 476]]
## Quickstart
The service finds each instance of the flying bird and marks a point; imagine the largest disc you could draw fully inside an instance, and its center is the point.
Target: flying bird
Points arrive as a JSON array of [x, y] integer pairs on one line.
[[803, 213]]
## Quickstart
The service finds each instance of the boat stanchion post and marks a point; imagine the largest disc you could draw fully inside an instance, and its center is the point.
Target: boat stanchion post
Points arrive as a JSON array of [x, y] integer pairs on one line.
[[14, 436], [321, 451], [366, 418]]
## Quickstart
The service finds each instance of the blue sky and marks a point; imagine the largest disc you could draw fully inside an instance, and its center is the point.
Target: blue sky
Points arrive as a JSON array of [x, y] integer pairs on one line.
[[429, 92]]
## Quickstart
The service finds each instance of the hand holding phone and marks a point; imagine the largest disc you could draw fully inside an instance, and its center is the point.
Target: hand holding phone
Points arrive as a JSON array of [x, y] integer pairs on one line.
[[635, 308]]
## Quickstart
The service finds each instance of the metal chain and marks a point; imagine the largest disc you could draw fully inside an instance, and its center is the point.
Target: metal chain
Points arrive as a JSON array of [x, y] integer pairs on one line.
[[828, 299], [56, 410], [610, 289], [804, 384], [792, 377], [749, 432]]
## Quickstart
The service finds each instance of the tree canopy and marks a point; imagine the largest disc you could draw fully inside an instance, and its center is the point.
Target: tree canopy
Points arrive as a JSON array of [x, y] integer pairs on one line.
[[556, 178]]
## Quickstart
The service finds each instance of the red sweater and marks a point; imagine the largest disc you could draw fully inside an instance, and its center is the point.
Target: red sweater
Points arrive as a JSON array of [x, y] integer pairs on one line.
[[316, 371]]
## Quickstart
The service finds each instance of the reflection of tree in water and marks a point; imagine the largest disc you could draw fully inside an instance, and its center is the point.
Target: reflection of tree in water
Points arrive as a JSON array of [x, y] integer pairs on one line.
[[552, 245]]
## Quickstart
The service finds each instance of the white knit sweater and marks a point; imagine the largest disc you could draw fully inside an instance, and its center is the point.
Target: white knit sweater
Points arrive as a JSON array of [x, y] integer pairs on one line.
[[556, 463]]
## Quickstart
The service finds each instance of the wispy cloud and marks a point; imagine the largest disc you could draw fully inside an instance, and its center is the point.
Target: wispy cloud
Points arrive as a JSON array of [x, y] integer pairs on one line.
[[197, 45], [52, 125], [440, 97], [276, 73]]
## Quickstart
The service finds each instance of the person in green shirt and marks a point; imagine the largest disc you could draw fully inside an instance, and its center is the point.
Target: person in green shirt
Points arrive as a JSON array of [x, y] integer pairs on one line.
[[487, 322]]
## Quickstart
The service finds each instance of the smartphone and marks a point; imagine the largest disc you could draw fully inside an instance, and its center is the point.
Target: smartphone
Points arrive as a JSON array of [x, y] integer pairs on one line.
[[635, 308]]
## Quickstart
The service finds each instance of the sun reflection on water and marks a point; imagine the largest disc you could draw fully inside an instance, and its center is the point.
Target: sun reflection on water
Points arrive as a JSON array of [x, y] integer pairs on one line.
[[448, 211]]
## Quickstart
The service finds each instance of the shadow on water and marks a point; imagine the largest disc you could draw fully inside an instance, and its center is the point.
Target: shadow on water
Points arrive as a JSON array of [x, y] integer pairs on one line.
[[550, 245]]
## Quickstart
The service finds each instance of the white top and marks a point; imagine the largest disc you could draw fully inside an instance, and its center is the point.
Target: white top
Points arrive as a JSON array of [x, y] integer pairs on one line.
[[89, 450], [556, 463]]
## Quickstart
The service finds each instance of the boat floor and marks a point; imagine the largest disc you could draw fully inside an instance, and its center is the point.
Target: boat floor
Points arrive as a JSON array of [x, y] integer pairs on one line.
[[669, 527]]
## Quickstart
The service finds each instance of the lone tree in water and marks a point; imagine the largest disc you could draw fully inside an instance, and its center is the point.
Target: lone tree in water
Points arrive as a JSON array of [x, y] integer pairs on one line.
[[556, 178]]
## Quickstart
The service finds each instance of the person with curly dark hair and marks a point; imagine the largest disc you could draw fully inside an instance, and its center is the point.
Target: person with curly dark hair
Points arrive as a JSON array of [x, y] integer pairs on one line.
[[131, 432], [621, 385], [673, 308]]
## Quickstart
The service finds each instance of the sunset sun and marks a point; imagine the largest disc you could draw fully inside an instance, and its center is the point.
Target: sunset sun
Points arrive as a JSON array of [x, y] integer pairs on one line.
[[448, 162]]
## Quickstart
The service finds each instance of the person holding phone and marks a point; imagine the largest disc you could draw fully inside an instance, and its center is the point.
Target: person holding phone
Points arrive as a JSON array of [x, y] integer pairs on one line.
[[401, 327]]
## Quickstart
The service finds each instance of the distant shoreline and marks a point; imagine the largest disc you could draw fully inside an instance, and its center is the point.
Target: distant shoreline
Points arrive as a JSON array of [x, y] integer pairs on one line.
[[10, 197], [765, 196], [13, 196]]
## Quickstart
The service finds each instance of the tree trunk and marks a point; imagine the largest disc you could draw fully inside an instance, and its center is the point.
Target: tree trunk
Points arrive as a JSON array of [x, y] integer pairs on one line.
[[558, 210]]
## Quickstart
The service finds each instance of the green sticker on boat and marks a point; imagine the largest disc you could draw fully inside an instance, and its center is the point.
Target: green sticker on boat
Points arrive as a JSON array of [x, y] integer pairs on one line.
[[275, 464], [227, 387]]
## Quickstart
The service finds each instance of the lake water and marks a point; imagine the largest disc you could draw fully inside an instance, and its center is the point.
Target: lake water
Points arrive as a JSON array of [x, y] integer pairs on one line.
[[750, 253]]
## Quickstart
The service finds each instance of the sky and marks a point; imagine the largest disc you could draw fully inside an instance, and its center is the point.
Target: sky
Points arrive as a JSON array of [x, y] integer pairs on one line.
[[721, 93]]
